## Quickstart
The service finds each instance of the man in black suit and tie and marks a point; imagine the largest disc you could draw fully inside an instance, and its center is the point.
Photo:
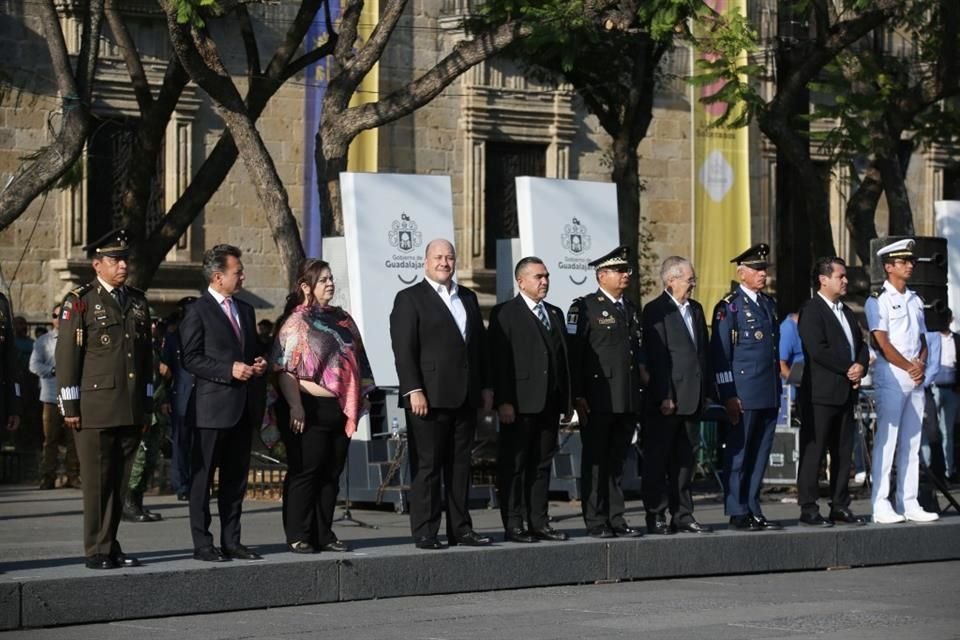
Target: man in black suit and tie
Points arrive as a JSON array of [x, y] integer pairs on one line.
[[605, 364], [835, 358], [676, 346], [531, 390], [219, 345], [439, 345]]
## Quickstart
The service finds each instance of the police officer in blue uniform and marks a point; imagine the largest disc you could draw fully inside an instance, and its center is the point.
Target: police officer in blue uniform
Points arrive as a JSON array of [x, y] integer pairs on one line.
[[744, 351]]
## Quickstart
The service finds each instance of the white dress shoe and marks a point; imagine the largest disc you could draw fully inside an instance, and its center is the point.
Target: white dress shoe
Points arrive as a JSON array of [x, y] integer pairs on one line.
[[887, 517], [921, 516]]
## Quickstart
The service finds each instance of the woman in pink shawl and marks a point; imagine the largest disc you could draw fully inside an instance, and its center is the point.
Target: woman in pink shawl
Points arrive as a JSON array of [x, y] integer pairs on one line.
[[324, 376]]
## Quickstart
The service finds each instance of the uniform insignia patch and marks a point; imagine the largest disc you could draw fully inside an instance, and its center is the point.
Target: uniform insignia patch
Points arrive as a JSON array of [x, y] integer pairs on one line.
[[758, 335], [65, 315], [104, 339]]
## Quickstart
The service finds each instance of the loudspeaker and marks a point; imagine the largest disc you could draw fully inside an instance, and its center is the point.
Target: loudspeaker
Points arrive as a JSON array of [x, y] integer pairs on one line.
[[931, 267], [929, 277]]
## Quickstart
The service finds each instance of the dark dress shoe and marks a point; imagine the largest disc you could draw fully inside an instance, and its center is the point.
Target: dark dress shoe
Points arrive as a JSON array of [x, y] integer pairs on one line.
[[845, 516], [657, 526], [123, 560], [209, 554], [46, 484], [152, 516], [428, 542], [100, 561], [517, 534], [691, 526], [549, 533], [73, 483], [300, 547], [240, 552], [601, 532], [183, 497], [337, 545], [814, 520], [744, 523], [767, 525], [626, 531], [469, 539]]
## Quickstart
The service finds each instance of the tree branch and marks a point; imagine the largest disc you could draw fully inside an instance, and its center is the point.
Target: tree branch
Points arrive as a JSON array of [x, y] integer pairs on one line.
[[249, 41], [372, 49], [131, 57]]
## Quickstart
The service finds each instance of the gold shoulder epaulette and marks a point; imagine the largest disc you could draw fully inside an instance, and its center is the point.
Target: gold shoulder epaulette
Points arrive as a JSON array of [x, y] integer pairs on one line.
[[82, 289], [729, 297], [877, 292]]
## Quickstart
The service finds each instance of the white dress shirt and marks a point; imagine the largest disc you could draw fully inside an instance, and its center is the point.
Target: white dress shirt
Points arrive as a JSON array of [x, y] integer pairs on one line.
[[451, 298], [837, 308]]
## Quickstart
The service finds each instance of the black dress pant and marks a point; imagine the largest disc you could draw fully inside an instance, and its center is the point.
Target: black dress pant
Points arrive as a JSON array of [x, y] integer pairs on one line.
[[825, 428], [228, 450], [668, 467], [315, 460], [441, 447], [106, 458], [525, 451], [605, 440]]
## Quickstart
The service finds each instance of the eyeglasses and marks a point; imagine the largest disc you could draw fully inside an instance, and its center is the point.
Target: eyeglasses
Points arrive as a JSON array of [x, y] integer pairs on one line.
[[626, 270], [905, 261]]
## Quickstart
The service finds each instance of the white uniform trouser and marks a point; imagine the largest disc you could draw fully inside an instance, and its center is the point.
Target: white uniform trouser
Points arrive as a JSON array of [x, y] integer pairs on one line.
[[899, 418]]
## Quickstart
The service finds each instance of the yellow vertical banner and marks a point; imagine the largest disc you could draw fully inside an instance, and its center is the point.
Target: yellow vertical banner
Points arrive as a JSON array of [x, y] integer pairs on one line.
[[721, 179], [363, 155]]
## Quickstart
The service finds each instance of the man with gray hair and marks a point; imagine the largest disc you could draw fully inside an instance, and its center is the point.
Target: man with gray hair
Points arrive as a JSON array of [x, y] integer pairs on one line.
[[219, 345], [677, 348]]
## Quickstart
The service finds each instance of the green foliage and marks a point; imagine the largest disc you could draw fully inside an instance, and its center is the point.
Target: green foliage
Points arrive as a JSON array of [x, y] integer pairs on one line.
[[188, 11]]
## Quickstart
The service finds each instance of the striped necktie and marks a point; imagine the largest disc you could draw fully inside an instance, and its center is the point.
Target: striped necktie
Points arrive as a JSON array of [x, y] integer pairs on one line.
[[542, 314]]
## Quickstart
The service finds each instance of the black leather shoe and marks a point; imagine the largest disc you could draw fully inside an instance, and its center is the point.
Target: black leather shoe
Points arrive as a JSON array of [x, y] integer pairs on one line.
[[152, 516], [845, 516], [46, 484], [428, 542], [240, 552], [601, 532], [469, 539], [209, 554], [123, 560], [744, 523], [518, 535], [549, 533], [100, 561], [626, 531], [300, 547], [135, 516], [767, 525], [657, 526], [691, 526], [814, 520], [337, 545]]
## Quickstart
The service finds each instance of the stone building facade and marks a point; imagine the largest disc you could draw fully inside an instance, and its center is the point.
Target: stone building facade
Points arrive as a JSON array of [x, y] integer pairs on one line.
[[490, 124]]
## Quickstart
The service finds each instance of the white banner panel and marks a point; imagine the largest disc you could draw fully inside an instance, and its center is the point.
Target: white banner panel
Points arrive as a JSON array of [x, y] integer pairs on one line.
[[567, 224], [947, 214], [388, 219]]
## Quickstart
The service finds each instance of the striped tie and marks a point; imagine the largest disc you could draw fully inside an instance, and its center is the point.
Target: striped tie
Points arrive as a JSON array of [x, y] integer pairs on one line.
[[542, 314]]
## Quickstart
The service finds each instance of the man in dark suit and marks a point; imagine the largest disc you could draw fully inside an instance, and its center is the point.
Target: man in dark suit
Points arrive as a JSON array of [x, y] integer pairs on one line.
[[676, 347], [439, 346], [104, 364], [744, 354], [835, 360], [219, 345], [531, 390], [605, 364]]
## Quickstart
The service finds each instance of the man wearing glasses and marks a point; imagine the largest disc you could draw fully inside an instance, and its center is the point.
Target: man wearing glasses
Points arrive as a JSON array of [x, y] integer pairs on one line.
[[605, 365], [744, 354], [897, 326], [104, 365]]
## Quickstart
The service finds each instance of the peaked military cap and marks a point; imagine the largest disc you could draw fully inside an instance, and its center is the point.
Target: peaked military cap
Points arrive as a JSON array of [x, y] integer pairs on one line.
[[619, 257], [755, 257], [899, 249], [115, 244]]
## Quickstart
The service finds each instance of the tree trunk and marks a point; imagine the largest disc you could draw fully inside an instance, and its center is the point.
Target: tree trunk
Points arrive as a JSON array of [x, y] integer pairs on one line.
[[898, 200], [75, 88], [861, 212], [626, 175]]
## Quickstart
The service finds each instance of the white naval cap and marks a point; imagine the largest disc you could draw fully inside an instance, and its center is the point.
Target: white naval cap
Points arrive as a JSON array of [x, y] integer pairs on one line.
[[899, 249]]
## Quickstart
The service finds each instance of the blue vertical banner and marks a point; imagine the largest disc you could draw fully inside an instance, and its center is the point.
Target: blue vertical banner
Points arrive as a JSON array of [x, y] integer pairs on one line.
[[315, 87]]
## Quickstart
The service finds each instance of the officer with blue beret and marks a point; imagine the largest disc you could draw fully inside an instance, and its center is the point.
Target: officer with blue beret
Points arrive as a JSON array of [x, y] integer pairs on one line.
[[744, 351]]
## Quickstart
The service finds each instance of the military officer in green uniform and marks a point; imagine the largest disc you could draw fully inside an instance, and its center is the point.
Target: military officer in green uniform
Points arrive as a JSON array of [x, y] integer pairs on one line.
[[9, 368], [105, 374], [605, 365]]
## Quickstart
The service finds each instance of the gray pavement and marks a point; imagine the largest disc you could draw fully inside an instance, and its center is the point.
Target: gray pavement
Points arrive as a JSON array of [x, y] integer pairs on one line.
[[878, 603]]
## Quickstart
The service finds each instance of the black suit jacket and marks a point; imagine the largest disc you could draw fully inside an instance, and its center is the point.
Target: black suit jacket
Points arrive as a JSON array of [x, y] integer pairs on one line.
[[520, 352], [679, 368], [209, 347], [429, 352], [826, 353]]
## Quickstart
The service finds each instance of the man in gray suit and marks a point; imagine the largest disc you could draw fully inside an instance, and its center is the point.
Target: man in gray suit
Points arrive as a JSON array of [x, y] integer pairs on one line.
[[676, 347]]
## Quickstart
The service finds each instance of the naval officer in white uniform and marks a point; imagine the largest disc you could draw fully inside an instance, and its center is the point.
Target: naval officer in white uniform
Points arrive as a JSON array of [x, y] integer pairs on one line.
[[895, 318]]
